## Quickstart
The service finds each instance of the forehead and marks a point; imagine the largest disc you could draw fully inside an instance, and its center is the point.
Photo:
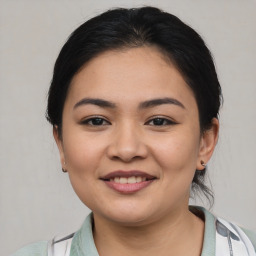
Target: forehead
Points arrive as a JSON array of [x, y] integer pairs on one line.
[[135, 74]]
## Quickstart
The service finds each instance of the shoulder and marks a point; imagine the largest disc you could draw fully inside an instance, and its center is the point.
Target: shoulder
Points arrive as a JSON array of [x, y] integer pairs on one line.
[[34, 249], [251, 235], [220, 234], [61, 244], [236, 233]]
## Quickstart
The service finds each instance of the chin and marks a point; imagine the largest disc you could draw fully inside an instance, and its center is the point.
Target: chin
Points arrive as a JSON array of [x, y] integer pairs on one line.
[[129, 216], [130, 220]]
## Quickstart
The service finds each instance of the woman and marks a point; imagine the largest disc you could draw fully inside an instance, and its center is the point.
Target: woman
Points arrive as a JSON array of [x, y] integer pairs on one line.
[[134, 104]]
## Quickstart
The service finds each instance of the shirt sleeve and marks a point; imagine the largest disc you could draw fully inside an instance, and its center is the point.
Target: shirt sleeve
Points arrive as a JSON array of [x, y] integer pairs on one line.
[[35, 249]]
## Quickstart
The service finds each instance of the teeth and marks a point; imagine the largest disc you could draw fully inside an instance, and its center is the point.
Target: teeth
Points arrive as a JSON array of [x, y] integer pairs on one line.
[[138, 179], [129, 180], [123, 180]]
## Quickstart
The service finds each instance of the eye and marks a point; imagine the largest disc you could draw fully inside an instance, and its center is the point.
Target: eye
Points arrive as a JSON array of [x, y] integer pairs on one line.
[[95, 121], [160, 121]]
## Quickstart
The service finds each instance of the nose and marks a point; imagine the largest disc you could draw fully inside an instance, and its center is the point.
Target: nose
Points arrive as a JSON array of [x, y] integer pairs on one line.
[[127, 144]]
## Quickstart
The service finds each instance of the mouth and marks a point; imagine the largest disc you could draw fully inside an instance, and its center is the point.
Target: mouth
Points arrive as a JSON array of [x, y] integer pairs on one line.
[[128, 181]]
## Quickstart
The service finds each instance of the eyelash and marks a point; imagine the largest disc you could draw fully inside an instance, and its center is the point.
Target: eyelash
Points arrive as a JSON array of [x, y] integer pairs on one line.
[[90, 120], [101, 120], [162, 120]]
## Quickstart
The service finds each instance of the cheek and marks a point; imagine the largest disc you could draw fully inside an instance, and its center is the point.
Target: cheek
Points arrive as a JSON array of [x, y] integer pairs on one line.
[[82, 154], [178, 152], [177, 158]]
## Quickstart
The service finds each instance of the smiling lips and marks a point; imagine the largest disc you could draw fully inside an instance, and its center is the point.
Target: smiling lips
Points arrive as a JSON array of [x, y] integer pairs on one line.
[[128, 181]]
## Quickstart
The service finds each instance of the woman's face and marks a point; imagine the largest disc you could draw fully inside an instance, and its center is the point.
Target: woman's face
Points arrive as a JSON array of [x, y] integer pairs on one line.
[[130, 137]]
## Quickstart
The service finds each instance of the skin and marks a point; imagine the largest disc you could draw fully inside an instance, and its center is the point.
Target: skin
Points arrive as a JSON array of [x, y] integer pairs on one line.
[[155, 219]]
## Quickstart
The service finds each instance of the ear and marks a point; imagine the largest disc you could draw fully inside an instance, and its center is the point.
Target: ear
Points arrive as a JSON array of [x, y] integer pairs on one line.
[[59, 143], [208, 142]]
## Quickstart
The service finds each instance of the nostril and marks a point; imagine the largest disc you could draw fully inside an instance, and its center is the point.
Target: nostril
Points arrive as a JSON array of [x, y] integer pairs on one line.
[[127, 148]]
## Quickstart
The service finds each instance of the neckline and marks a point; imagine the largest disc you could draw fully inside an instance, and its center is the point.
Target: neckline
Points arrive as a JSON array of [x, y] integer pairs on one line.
[[83, 242], [209, 229]]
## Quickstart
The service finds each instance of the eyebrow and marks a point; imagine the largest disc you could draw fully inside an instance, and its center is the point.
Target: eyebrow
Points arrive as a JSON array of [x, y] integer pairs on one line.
[[160, 101], [143, 105], [97, 102]]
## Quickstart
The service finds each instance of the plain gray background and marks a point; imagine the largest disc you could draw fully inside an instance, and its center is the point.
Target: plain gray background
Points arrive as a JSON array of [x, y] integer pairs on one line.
[[36, 200]]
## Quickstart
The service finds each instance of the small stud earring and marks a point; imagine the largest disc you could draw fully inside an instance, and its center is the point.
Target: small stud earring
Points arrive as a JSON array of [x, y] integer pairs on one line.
[[203, 164], [64, 170]]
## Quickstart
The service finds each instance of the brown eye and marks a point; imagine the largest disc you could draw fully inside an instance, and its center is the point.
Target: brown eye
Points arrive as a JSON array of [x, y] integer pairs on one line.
[[158, 121], [95, 121]]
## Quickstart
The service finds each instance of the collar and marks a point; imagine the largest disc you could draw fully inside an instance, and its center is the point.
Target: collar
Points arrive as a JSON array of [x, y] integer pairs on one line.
[[83, 242]]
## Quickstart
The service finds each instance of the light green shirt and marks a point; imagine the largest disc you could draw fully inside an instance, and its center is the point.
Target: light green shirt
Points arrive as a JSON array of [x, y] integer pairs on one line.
[[83, 243]]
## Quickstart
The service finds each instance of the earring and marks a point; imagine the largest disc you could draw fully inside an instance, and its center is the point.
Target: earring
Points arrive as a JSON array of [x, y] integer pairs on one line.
[[64, 170], [203, 164]]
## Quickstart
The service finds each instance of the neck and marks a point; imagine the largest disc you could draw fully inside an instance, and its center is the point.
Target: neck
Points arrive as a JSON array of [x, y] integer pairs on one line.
[[178, 234]]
